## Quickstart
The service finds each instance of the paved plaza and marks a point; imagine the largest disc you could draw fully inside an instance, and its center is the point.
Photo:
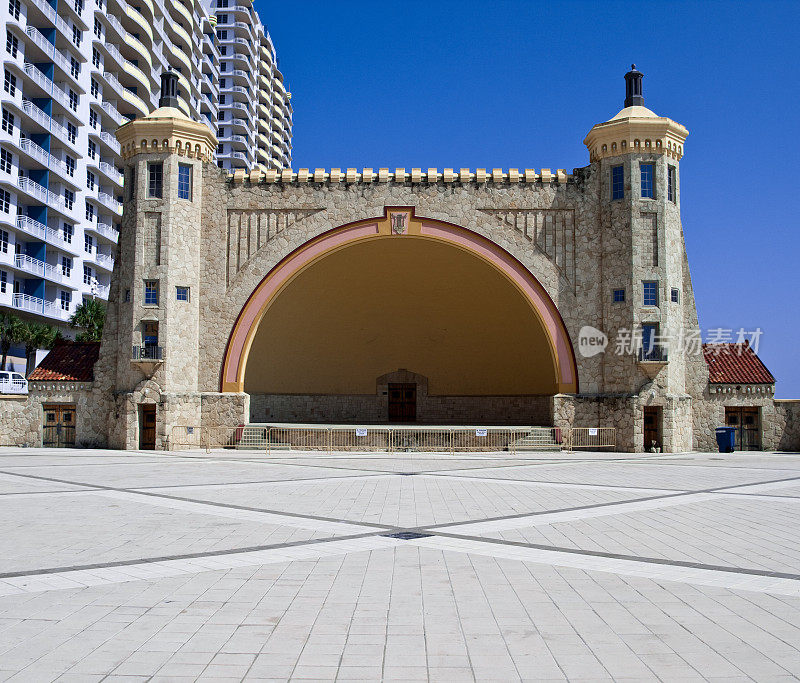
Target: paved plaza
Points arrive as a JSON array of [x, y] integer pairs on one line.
[[228, 566]]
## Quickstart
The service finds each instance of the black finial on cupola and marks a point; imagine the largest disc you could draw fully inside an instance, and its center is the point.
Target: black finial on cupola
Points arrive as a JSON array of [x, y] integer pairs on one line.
[[169, 89], [633, 88]]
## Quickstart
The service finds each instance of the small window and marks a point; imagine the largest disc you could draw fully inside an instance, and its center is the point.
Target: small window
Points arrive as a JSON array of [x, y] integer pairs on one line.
[[650, 293], [132, 182], [675, 295], [127, 295], [66, 266], [3, 241], [648, 176], [69, 162], [185, 181], [66, 300], [151, 292], [619, 295], [88, 244], [671, 183], [3, 281], [67, 231], [6, 160], [12, 44], [10, 83], [155, 180], [5, 201], [182, 293], [618, 182], [88, 274], [8, 122]]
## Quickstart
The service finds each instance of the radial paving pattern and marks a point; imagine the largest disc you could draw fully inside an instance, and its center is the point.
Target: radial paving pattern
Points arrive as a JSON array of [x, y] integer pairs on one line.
[[229, 566]]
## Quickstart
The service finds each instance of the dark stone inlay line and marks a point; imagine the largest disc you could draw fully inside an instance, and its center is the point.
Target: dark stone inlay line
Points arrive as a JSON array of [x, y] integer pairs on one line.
[[721, 489], [231, 506], [187, 556], [547, 481], [616, 556], [259, 481]]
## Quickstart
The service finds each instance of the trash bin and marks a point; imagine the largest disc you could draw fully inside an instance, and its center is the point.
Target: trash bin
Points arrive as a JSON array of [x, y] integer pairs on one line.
[[726, 439]]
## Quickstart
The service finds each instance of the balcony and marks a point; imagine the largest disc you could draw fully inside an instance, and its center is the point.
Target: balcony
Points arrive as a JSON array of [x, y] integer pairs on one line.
[[42, 193], [46, 84], [47, 122], [104, 229], [111, 171], [43, 232], [33, 304], [45, 158], [147, 354], [105, 261], [109, 202], [50, 13], [40, 268], [111, 141], [49, 49], [654, 354], [111, 110]]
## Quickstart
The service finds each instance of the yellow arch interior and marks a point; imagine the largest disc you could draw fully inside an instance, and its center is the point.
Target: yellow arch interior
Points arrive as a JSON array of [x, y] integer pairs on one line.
[[383, 304]]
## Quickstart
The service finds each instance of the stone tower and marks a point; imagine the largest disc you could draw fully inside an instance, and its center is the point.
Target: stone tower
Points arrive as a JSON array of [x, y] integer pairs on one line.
[[150, 349], [644, 270]]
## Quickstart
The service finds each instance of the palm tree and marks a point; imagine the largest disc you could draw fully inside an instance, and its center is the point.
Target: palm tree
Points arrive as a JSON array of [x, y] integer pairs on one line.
[[10, 333], [90, 315], [37, 336]]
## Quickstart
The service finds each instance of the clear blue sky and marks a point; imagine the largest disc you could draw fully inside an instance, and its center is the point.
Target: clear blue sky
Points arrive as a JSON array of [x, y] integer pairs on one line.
[[519, 84]]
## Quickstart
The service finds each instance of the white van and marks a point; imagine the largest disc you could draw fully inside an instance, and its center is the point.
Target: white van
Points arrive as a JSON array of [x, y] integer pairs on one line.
[[12, 383]]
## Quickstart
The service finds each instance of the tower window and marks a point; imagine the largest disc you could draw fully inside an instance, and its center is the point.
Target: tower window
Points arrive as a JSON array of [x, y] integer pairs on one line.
[[182, 293], [151, 292], [675, 295], [185, 181], [618, 182], [648, 175], [155, 179], [650, 293], [619, 296], [132, 183], [671, 183]]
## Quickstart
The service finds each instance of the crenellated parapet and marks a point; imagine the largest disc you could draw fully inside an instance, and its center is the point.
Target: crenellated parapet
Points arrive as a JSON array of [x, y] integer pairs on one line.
[[400, 175]]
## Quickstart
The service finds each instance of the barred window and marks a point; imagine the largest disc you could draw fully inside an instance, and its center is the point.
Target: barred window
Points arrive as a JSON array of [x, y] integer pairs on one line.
[[8, 122], [10, 83], [618, 182], [650, 293], [185, 181], [648, 177], [12, 43], [151, 292], [6, 160], [155, 177]]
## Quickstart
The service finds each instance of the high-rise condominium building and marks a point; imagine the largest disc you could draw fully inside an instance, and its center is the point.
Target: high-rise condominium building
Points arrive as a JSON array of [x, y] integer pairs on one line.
[[74, 70], [255, 112]]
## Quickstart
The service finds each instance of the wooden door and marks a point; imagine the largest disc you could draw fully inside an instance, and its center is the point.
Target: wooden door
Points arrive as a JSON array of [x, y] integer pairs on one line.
[[652, 427], [402, 402], [58, 429], [147, 428], [748, 427]]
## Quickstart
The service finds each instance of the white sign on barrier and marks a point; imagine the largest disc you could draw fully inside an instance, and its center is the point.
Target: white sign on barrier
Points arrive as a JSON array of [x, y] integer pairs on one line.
[[593, 431], [480, 432], [361, 431]]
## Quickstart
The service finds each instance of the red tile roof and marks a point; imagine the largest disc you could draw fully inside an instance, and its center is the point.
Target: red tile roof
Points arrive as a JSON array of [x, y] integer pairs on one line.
[[735, 364], [68, 362]]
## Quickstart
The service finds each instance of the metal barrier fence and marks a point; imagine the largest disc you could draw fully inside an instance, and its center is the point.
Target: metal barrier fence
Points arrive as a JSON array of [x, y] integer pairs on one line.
[[590, 437], [388, 439]]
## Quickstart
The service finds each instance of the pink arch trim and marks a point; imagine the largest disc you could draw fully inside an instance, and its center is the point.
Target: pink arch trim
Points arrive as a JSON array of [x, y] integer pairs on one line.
[[291, 266]]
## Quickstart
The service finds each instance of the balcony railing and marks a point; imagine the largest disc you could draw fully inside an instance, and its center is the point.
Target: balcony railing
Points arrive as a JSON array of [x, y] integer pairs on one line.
[[40, 268], [41, 231], [29, 146], [46, 121], [111, 110], [104, 260], [51, 14], [105, 229], [48, 48], [111, 171], [109, 202], [46, 84], [33, 304], [147, 352], [654, 354], [41, 193], [111, 141]]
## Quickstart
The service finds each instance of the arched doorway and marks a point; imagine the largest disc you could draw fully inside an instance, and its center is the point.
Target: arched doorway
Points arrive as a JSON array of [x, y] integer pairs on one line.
[[340, 325]]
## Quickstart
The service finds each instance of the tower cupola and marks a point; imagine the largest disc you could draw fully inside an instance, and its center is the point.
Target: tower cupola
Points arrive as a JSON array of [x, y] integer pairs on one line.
[[635, 129]]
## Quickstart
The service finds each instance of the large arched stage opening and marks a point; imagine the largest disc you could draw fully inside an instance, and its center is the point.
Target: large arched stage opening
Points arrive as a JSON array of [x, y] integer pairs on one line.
[[394, 300]]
